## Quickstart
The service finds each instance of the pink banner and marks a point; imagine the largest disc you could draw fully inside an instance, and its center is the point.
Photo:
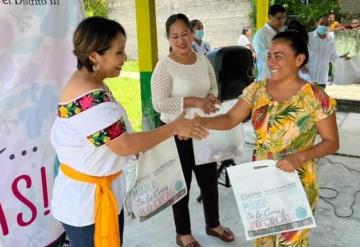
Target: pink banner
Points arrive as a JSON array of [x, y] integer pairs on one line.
[[35, 61]]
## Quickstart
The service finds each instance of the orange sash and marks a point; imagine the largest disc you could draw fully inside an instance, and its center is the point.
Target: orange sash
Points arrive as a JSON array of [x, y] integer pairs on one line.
[[106, 209]]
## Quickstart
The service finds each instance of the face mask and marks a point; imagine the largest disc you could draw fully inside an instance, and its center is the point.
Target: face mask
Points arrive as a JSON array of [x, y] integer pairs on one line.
[[199, 34], [322, 30]]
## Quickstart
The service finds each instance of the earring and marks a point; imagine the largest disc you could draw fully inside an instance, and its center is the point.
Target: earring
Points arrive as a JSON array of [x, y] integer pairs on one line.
[[95, 67]]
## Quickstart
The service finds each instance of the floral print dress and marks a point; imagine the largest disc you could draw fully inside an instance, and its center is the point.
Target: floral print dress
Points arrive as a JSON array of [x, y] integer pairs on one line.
[[287, 127]]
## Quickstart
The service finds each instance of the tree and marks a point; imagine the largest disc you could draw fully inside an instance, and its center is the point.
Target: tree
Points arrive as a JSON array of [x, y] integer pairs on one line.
[[96, 7], [308, 11]]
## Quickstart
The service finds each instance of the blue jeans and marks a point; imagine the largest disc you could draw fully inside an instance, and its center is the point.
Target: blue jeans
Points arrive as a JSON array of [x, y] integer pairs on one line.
[[83, 236]]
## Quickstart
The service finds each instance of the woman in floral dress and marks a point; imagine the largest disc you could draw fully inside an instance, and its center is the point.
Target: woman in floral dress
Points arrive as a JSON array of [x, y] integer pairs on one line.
[[287, 112]]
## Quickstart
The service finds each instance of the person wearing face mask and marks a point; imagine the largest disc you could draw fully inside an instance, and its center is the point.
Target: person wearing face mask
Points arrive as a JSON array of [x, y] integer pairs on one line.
[[262, 38], [199, 45], [322, 51]]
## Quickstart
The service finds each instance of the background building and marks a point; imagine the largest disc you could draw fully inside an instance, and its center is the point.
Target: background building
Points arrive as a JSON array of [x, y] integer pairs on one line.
[[223, 20], [350, 6]]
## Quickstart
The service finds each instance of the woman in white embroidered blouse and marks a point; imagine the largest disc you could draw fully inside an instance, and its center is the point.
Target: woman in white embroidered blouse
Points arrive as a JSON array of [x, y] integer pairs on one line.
[[182, 80], [93, 140]]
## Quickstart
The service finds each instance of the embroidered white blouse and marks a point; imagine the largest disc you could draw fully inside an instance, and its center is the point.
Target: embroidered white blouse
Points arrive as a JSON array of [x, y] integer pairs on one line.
[[172, 81], [79, 134]]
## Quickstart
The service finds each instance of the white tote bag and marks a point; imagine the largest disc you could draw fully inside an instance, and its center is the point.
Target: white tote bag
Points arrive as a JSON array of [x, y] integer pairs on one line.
[[159, 181], [219, 144], [269, 200]]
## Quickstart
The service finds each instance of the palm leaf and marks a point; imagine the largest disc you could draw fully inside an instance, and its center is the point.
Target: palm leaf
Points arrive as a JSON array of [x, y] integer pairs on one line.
[[303, 122], [287, 113], [303, 139]]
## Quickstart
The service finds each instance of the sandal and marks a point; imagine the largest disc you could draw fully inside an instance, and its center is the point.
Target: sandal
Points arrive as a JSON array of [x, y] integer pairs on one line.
[[226, 236], [181, 244]]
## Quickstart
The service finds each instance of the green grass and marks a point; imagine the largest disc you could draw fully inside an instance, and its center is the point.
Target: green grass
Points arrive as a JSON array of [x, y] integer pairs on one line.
[[127, 92], [132, 66]]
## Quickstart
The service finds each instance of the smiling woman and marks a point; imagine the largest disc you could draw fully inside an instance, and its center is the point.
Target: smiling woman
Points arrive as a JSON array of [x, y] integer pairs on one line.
[[286, 113], [93, 139], [182, 80]]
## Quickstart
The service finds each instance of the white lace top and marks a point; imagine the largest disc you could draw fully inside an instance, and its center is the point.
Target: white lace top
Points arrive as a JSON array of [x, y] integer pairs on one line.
[[172, 81]]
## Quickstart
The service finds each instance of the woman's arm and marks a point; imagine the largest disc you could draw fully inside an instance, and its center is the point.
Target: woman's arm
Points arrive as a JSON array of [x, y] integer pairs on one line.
[[328, 132], [212, 77], [128, 144], [237, 114], [338, 26], [161, 86]]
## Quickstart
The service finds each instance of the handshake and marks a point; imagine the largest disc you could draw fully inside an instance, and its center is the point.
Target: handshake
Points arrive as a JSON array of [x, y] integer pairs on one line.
[[194, 128], [189, 128]]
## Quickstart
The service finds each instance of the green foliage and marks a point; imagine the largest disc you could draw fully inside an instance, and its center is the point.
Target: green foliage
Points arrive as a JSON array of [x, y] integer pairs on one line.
[[96, 7], [308, 14], [253, 15]]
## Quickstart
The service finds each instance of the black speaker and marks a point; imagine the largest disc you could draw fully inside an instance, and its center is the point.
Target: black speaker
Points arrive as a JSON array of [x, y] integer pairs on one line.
[[234, 70]]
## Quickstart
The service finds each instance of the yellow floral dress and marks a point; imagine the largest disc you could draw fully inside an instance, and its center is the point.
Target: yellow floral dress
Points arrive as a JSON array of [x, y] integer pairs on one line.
[[287, 127]]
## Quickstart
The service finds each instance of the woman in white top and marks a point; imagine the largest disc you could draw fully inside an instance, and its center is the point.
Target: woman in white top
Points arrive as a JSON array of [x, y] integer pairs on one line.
[[185, 79], [199, 45], [245, 39], [93, 140]]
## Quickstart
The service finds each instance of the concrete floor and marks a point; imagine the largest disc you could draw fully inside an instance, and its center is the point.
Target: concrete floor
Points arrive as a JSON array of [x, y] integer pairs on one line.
[[331, 231]]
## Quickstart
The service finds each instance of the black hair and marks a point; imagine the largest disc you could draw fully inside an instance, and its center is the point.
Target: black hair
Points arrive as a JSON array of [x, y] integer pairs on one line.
[[296, 42], [295, 25], [193, 23], [94, 34], [245, 29], [276, 8], [173, 18], [322, 16]]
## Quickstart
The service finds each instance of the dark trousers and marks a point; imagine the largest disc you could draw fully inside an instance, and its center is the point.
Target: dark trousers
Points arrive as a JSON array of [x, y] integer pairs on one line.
[[84, 236], [206, 176]]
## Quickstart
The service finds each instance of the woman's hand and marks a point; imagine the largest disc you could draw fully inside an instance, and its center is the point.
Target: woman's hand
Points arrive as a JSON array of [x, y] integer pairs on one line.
[[291, 162], [207, 104], [213, 99], [189, 128]]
